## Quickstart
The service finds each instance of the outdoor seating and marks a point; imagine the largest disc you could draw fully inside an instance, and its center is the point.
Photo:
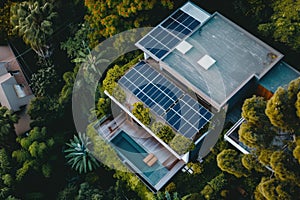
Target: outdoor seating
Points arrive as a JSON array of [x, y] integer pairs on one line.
[[150, 160]]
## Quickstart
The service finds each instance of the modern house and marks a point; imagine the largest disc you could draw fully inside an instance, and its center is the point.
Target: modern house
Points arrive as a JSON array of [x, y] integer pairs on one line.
[[15, 92], [197, 66]]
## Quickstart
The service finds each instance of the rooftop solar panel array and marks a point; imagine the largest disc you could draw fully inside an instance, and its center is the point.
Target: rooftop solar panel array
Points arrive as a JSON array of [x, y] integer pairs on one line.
[[162, 39], [180, 111]]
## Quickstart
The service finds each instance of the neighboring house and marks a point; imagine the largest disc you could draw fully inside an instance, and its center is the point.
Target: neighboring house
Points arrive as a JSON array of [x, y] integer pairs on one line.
[[197, 66], [15, 92], [12, 95]]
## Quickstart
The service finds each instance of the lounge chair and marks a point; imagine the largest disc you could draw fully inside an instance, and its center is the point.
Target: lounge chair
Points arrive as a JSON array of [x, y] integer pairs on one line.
[[152, 161], [148, 158]]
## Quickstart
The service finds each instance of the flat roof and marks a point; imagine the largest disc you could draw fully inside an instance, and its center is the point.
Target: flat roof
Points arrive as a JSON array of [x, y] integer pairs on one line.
[[239, 56]]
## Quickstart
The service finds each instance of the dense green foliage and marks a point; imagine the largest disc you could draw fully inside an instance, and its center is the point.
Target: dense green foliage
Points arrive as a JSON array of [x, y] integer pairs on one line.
[[163, 131], [281, 108], [35, 153], [74, 45], [7, 179], [34, 21], [107, 18], [141, 113], [7, 133], [44, 110], [181, 144], [257, 131], [272, 130], [44, 81], [229, 161], [26, 179], [275, 18], [283, 24], [103, 107], [213, 187], [5, 26]]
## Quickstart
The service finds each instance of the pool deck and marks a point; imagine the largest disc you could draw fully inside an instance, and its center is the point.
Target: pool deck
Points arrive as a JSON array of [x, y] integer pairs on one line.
[[145, 140]]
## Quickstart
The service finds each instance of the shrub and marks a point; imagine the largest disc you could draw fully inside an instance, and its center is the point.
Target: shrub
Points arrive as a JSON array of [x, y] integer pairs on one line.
[[112, 76], [207, 192], [119, 94], [141, 113], [171, 187], [162, 131], [181, 144], [196, 167]]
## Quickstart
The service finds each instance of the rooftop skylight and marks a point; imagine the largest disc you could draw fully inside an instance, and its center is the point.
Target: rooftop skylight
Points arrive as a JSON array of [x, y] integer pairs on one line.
[[206, 62], [184, 47]]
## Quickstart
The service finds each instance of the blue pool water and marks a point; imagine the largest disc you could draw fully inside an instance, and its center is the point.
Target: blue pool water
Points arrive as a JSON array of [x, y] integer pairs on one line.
[[132, 151], [279, 75]]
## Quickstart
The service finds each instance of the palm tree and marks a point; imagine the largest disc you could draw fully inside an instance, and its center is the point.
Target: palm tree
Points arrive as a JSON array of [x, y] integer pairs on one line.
[[92, 63], [34, 22], [79, 156]]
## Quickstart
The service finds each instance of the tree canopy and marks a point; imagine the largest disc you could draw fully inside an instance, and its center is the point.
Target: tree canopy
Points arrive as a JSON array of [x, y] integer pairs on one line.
[[44, 81], [34, 153], [34, 21], [283, 24], [5, 26], [282, 108], [163, 131], [271, 129], [275, 18], [229, 161], [107, 18], [7, 133]]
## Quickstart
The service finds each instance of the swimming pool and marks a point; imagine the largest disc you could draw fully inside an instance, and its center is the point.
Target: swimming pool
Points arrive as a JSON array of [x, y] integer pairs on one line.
[[131, 151], [279, 75]]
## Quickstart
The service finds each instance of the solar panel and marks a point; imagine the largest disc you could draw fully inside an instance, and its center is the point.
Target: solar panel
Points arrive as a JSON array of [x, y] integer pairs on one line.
[[168, 34], [181, 111]]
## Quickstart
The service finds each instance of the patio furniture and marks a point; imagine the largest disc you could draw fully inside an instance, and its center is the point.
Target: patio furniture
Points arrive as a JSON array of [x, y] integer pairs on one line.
[[152, 161], [148, 158]]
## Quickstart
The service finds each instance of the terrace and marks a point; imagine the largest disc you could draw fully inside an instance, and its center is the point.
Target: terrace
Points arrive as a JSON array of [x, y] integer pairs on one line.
[[135, 143], [140, 151]]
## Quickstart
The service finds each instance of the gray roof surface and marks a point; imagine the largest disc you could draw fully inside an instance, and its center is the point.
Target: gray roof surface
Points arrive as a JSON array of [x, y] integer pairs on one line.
[[7, 93], [3, 69], [239, 56]]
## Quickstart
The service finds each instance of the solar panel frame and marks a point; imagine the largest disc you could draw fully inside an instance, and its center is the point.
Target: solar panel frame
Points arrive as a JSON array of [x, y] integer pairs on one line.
[[177, 26], [181, 111]]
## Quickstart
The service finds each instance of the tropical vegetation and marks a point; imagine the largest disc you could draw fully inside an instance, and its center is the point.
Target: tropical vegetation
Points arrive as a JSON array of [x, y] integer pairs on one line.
[[63, 34], [78, 154]]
